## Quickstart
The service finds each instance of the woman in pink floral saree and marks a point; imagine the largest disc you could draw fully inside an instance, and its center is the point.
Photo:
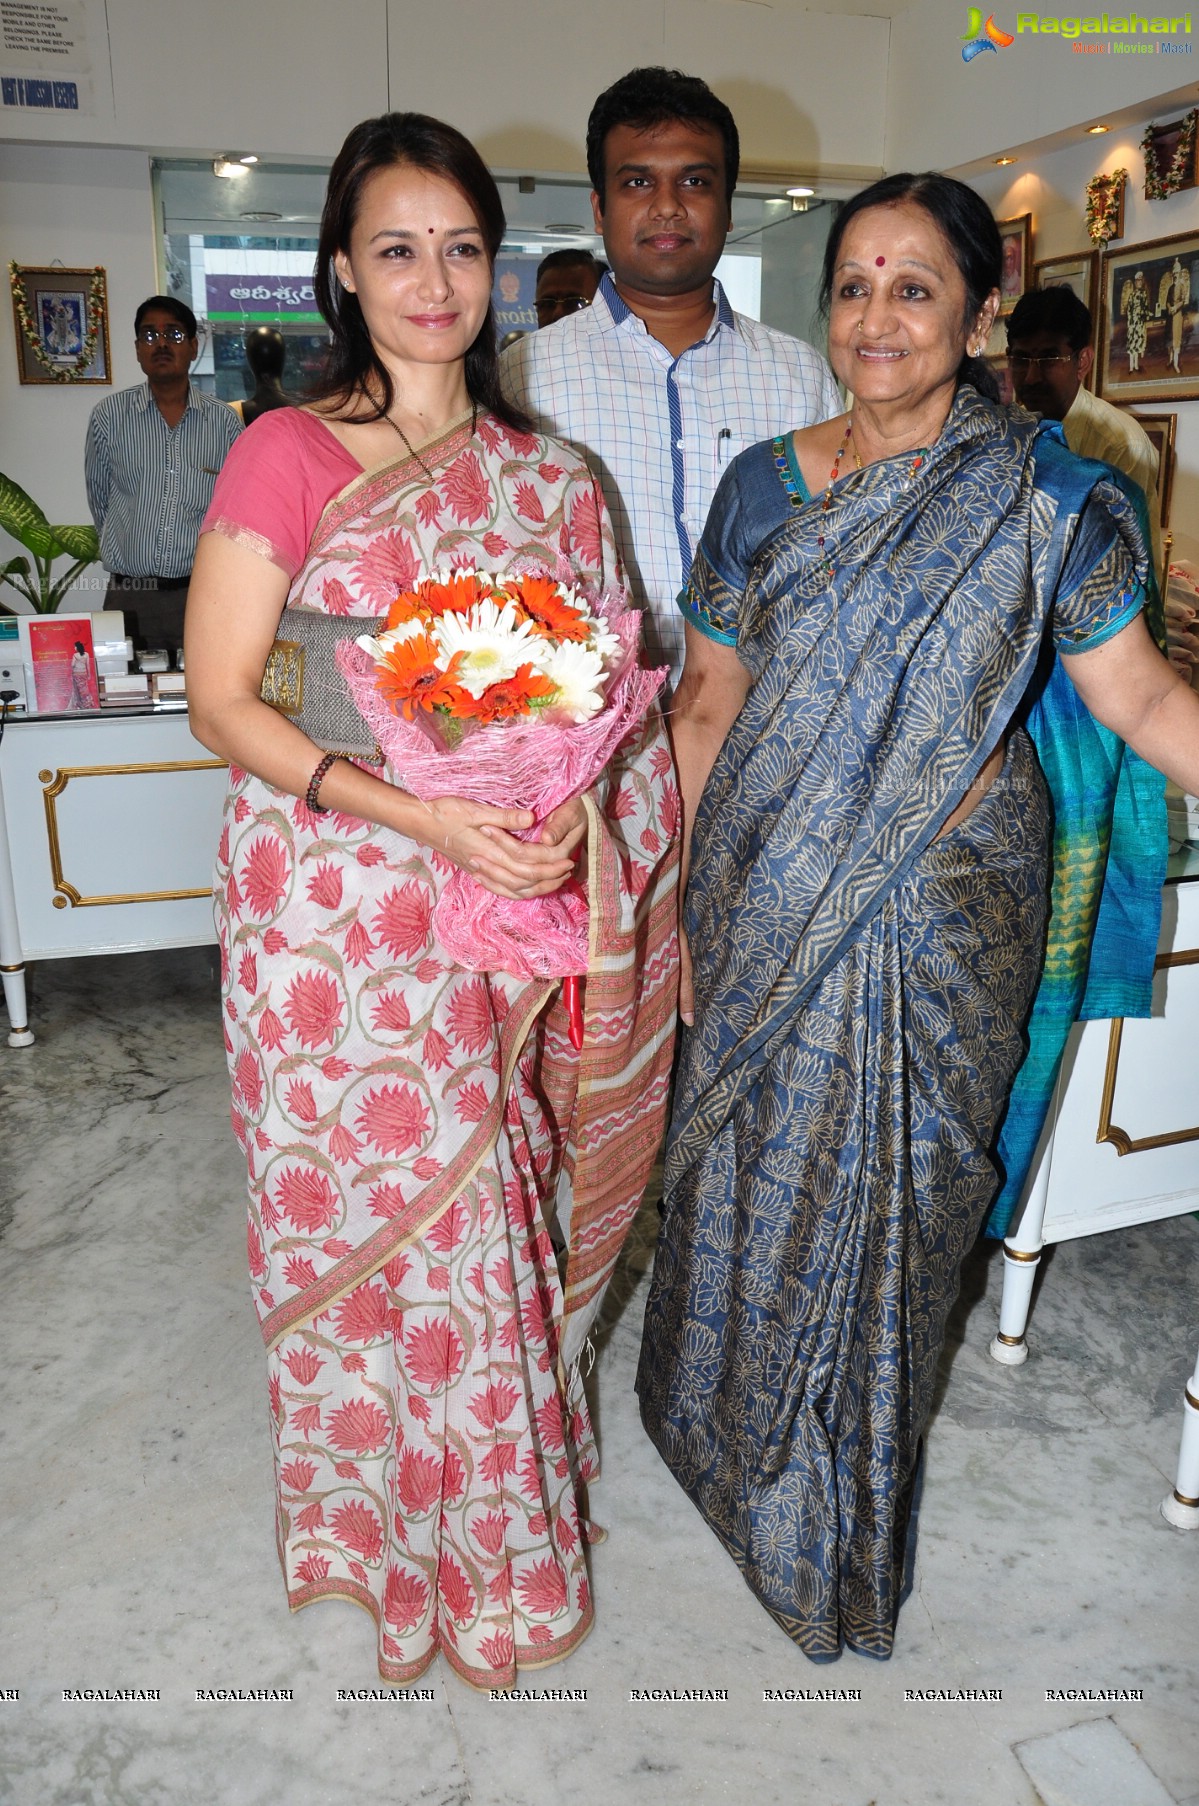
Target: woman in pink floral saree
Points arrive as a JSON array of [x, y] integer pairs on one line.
[[412, 1129]]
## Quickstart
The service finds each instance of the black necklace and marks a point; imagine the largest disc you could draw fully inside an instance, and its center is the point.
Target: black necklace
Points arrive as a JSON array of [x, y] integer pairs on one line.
[[412, 451]]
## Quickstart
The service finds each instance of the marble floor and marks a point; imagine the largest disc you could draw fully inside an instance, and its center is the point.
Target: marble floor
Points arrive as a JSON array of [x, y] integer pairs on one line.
[[136, 1536]]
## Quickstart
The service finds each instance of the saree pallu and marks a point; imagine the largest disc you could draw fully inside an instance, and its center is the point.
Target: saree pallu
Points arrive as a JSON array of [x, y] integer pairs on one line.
[[416, 1135], [861, 989], [1109, 865]]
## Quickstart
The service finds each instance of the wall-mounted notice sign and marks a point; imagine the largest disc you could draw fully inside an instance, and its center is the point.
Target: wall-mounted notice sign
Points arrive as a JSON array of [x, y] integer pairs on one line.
[[51, 53]]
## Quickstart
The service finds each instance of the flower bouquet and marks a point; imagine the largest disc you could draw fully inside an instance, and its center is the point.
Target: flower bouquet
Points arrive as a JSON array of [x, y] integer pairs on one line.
[[513, 691]]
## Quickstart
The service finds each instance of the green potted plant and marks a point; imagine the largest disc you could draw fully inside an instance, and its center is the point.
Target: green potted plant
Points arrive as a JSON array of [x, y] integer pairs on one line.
[[21, 517]]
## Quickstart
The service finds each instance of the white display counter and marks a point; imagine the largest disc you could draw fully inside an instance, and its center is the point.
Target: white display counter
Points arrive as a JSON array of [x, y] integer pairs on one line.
[[1121, 1145], [108, 833]]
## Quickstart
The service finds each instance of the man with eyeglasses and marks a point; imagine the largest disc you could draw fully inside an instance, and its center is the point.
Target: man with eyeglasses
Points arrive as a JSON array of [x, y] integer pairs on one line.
[[1050, 357], [566, 281], [152, 456]]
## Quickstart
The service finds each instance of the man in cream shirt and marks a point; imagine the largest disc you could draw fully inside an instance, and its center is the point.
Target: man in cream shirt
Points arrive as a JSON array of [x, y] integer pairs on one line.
[[1050, 357]]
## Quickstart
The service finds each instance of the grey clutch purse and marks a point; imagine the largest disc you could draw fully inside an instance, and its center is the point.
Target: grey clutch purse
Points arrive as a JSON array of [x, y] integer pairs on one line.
[[303, 682]]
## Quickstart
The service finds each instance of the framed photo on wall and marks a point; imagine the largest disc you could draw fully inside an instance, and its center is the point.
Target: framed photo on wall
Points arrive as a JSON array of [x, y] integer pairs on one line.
[[1079, 273], [1017, 259], [1161, 429], [61, 321], [1170, 150], [1149, 321]]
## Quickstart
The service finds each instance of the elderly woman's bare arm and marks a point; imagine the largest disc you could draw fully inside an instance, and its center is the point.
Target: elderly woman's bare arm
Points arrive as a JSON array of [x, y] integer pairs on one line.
[[709, 699], [1130, 687]]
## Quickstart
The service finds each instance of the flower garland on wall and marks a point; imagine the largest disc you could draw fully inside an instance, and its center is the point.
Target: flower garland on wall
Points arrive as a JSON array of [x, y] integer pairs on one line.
[[62, 373], [1159, 187], [1105, 196]]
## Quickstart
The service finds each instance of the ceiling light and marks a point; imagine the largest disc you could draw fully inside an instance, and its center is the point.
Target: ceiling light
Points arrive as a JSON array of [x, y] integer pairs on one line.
[[249, 159], [1096, 131], [1004, 161], [228, 169], [800, 193]]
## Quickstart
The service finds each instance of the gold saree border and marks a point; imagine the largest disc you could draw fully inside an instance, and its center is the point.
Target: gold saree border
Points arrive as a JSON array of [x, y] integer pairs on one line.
[[526, 1656], [362, 491]]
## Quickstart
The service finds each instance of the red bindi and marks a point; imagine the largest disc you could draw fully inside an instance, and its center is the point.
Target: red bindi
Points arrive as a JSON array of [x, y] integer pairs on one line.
[[880, 261]]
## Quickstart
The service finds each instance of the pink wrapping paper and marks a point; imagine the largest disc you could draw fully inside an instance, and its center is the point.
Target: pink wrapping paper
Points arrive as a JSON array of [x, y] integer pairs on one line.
[[513, 765]]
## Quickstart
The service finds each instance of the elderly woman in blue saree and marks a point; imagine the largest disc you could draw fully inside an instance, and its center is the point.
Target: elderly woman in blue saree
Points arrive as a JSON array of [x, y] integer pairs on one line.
[[905, 627]]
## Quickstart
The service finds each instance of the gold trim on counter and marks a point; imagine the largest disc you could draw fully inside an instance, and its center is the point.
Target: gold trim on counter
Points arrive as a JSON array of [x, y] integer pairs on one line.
[[1120, 1139], [66, 894]]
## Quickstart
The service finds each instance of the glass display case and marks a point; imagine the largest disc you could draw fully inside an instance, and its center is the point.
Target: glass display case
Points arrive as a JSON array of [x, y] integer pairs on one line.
[[240, 251]]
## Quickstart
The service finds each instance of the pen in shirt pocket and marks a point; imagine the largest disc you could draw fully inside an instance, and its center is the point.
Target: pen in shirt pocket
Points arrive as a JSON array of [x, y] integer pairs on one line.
[[724, 445]]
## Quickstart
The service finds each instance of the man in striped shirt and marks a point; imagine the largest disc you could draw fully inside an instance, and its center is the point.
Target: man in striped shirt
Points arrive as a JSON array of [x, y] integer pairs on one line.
[[152, 457], [659, 383]]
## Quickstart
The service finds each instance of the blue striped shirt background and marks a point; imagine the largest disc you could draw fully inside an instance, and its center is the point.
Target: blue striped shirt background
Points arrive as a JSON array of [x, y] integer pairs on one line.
[[149, 485]]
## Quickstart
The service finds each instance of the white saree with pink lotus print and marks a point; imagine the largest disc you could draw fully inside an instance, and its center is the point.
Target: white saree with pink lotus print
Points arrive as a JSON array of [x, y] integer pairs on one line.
[[414, 1131]]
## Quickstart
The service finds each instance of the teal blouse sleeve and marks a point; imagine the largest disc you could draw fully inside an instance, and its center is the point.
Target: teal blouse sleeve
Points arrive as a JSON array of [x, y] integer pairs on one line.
[[753, 497], [1105, 577]]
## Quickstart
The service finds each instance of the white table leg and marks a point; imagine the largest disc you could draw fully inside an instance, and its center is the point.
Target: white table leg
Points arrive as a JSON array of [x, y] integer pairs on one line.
[[12, 966], [1021, 1255], [1182, 1507]]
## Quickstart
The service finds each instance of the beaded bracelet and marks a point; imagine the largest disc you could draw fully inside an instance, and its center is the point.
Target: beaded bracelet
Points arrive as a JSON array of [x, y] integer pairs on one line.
[[315, 782]]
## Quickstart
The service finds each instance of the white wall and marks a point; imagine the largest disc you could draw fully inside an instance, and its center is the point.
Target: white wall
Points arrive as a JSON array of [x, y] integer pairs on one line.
[[1052, 188], [942, 112], [808, 87], [83, 208], [227, 75]]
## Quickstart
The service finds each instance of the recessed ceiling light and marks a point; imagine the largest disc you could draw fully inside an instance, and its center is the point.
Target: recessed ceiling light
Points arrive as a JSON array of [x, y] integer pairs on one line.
[[1004, 161], [250, 159], [227, 169], [263, 213], [1096, 131], [800, 193]]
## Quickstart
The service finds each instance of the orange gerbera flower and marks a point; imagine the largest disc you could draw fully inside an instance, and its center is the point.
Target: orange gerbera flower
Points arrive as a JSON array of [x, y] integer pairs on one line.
[[408, 678], [406, 607], [519, 695], [456, 596], [552, 618]]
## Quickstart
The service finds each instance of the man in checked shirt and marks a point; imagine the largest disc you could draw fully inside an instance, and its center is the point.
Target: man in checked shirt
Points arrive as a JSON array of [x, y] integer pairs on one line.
[[659, 383]]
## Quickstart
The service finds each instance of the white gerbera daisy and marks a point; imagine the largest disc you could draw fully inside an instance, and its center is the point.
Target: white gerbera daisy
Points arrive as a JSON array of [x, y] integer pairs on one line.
[[579, 675], [492, 646], [394, 636], [605, 643]]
